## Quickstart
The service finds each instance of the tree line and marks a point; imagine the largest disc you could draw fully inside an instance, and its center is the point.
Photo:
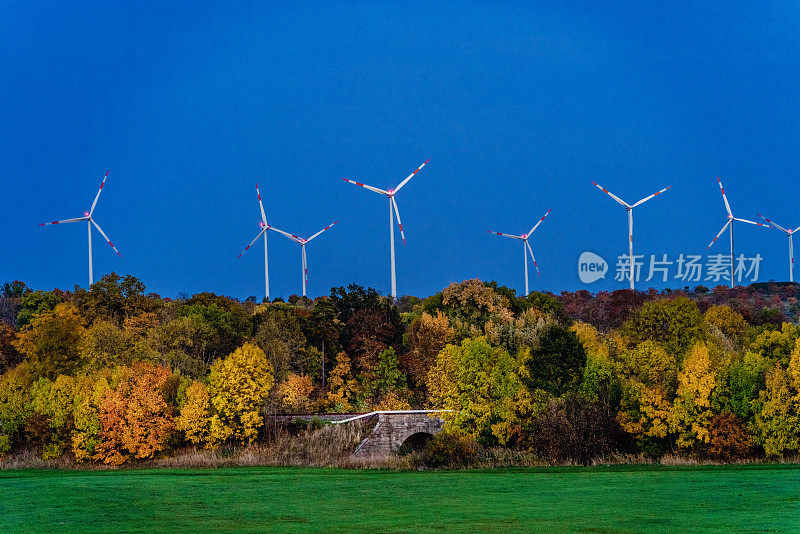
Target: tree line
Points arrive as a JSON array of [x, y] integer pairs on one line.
[[112, 374]]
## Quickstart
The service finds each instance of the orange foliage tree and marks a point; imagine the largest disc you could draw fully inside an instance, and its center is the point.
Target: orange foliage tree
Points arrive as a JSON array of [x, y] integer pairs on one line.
[[135, 420]]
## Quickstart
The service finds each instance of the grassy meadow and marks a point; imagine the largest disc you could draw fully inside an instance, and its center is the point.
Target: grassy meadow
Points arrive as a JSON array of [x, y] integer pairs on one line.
[[600, 499]]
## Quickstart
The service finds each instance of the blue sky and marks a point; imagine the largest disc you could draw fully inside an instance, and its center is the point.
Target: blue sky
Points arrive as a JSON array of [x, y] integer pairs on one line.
[[518, 107]]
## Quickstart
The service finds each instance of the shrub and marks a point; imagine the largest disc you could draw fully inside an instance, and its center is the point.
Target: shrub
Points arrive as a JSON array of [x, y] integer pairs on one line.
[[575, 429], [450, 449], [730, 438]]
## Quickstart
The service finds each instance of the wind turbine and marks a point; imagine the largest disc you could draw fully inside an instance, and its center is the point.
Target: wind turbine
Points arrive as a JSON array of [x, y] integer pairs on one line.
[[790, 234], [629, 209], [303, 243], [729, 224], [526, 247], [87, 216], [264, 227], [392, 211]]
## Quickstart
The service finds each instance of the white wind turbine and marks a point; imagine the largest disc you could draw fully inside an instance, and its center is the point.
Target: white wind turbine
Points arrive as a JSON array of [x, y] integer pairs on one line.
[[303, 243], [392, 212], [729, 224], [526, 248], [790, 234], [264, 227], [87, 216], [629, 209]]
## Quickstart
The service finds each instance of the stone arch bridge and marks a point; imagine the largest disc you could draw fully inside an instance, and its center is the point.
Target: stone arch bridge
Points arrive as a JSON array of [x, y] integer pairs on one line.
[[393, 429]]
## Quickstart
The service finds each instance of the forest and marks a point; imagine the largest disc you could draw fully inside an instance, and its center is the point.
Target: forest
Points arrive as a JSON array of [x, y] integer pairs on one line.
[[114, 375]]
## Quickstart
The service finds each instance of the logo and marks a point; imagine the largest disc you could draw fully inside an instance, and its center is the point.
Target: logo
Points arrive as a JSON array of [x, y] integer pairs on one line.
[[591, 267]]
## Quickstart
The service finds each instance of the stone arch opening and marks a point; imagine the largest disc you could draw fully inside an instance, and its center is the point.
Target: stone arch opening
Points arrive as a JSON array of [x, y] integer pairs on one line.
[[416, 441]]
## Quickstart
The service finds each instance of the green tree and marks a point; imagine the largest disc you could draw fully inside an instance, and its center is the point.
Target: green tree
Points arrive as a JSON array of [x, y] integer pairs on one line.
[[481, 385], [35, 303], [556, 363], [15, 405]]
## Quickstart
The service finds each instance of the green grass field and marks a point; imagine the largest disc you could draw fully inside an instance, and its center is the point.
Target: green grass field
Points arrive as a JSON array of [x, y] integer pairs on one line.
[[612, 499]]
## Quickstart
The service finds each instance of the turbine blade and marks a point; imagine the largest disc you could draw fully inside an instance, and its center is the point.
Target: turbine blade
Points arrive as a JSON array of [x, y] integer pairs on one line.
[[534, 259], [315, 235], [64, 221], [400, 224], [538, 223], [750, 222], [612, 195], [724, 197], [261, 205], [98, 193], [645, 199], [381, 191], [105, 236], [505, 235], [253, 241], [404, 182], [774, 224], [287, 234], [719, 234]]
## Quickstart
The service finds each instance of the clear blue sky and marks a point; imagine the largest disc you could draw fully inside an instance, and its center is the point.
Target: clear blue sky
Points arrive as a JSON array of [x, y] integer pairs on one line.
[[518, 109]]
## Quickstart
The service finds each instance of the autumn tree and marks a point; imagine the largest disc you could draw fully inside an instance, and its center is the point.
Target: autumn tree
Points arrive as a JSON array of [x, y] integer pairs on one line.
[[427, 336], [675, 323], [778, 421], [88, 393], [691, 411], [728, 322], [195, 416], [342, 385], [54, 400], [113, 298], [135, 420], [9, 355], [296, 392], [52, 341], [239, 386]]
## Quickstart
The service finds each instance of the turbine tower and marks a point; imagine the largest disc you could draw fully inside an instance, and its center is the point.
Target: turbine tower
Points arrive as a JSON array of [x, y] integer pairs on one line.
[[629, 209], [729, 224], [526, 248], [392, 212], [790, 235], [303, 243], [264, 227], [87, 216]]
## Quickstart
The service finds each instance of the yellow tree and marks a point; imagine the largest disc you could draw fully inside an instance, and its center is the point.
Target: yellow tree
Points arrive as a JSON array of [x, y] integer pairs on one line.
[[691, 411], [342, 386], [239, 386], [195, 416]]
